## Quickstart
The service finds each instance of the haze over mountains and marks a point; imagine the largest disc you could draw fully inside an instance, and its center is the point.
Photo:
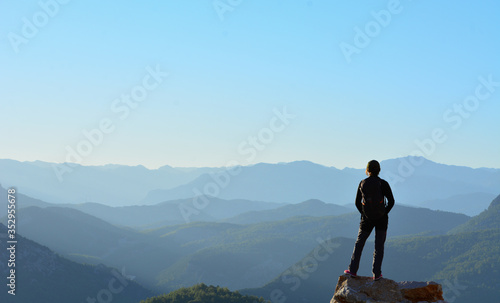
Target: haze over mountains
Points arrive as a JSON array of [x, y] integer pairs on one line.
[[45, 277], [247, 254], [423, 244], [427, 184], [114, 185], [254, 245]]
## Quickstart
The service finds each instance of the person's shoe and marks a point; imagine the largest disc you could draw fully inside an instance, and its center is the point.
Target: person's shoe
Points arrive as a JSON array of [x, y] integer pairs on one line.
[[350, 273], [376, 278]]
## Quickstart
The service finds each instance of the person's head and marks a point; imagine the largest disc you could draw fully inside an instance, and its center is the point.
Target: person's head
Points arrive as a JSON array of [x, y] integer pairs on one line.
[[373, 168]]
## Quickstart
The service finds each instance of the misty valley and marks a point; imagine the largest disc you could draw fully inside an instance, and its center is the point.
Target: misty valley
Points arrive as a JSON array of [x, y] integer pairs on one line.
[[279, 232]]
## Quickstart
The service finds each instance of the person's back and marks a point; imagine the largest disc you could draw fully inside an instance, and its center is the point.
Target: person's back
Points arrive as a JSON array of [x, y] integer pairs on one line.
[[370, 202], [372, 198]]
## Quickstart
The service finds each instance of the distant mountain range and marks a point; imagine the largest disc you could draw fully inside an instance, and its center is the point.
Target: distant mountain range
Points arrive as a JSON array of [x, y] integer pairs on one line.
[[310, 208], [173, 212], [470, 204], [427, 184], [299, 181], [181, 211], [113, 185]]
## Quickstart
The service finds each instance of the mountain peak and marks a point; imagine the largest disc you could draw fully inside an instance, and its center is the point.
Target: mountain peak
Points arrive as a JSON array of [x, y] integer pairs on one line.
[[495, 202], [364, 289], [313, 202]]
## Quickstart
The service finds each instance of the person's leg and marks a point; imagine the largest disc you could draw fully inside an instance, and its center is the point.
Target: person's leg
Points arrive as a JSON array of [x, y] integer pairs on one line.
[[365, 228], [378, 254]]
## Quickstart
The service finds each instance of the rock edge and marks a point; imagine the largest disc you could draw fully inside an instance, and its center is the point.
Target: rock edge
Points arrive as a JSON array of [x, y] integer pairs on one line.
[[364, 289]]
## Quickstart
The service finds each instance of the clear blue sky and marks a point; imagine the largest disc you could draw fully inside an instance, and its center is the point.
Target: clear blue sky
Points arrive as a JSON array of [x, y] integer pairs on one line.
[[63, 67]]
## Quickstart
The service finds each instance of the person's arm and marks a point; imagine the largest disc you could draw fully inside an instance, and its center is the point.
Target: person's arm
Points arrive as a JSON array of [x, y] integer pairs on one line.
[[358, 200], [386, 190]]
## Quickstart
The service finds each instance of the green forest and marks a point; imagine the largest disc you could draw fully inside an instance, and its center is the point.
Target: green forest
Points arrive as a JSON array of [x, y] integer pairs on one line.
[[202, 293]]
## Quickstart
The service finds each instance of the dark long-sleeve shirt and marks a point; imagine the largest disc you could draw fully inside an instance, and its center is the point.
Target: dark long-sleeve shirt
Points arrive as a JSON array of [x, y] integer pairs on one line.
[[386, 191]]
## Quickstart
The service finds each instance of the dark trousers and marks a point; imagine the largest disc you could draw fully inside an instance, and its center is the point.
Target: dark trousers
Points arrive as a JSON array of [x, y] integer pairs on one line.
[[365, 228]]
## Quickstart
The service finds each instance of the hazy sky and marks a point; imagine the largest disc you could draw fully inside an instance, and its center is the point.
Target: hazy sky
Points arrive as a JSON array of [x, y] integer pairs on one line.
[[333, 82]]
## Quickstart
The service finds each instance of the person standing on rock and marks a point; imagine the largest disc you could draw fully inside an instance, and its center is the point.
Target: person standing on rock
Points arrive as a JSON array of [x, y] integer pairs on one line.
[[371, 203]]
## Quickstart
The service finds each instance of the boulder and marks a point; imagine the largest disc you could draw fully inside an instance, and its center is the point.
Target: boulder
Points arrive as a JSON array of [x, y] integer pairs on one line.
[[364, 289]]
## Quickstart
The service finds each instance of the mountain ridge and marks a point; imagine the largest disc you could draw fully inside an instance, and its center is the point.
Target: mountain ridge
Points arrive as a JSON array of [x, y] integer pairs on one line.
[[427, 181], [46, 277], [311, 207], [291, 182], [487, 219], [156, 215]]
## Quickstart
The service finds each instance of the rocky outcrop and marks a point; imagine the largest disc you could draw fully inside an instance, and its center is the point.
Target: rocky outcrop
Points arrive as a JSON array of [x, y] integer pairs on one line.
[[364, 289]]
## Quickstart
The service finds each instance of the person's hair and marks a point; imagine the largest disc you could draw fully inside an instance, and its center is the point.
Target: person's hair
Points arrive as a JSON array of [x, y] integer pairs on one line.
[[373, 167]]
